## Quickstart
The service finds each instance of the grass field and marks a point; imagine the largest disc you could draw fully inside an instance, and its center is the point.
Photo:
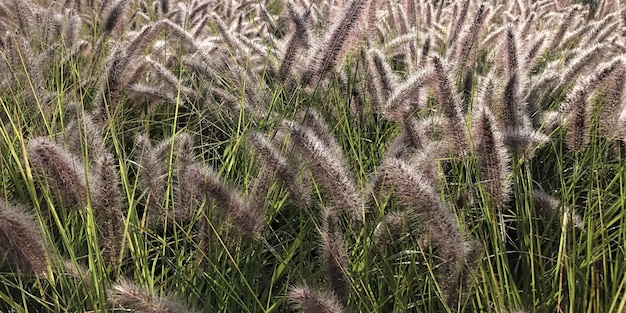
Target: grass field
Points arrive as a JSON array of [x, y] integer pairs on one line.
[[312, 156]]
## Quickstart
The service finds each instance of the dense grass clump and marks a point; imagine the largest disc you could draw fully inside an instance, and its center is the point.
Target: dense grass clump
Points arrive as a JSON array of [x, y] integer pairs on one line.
[[312, 156]]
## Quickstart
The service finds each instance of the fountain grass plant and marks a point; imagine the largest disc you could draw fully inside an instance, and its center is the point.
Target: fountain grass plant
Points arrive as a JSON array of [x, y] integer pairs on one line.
[[312, 156]]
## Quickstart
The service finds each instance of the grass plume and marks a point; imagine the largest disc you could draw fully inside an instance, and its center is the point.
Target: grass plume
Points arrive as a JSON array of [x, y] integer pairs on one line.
[[21, 240]]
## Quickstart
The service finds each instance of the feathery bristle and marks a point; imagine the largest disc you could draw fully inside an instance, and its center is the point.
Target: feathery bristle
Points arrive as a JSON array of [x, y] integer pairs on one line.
[[315, 121], [229, 201], [511, 51], [274, 163], [394, 225], [328, 168], [426, 161], [405, 96], [332, 48], [306, 300], [613, 100], [525, 142], [514, 108], [126, 295], [115, 16], [62, 170], [335, 255], [579, 119], [83, 133], [586, 58], [425, 50], [450, 104], [234, 45], [536, 48], [383, 78], [187, 197], [21, 241], [24, 15], [444, 230], [469, 41], [107, 202], [492, 155], [566, 21], [550, 204], [458, 21], [289, 57], [152, 174]]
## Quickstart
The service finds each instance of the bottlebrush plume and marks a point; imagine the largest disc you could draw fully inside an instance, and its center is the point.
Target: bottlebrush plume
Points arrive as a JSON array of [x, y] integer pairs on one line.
[[23, 14], [315, 121], [234, 45], [301, 29], [573, 38], [152, 177], [586, 58], [440, 6], [425, 51], [187, 197], [525, 141], [405, 96], [606, 70], [579, 118], [165, 6], [426, 161], [486, 92], [597, 27], [536, 48], [393, 226], [21, 241], [274, 163], [154, 94], [383, 78], [610, 30], [333, 251], [566, 22], [411, 190], [621, 124], [247, 219], [328, 168], [126, 295], [529, 24], [468, 43], [410, 7], [306, 300], [335, 44], [551, 205], [510, 51], [288, 58], [115, 16], [450, 104], [59, 168], [494, 35], [83, 133], [607, 7], [613, 92], [77, 271], [414, 133], [428, 16], [400, 147], [111, 85], [398, 18], [175, 85], [514, 108], [492, 155], [458, 21], [106, 195]]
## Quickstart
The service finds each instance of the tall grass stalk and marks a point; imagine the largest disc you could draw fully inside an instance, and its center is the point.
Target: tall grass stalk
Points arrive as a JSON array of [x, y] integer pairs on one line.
[[273, 156]]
